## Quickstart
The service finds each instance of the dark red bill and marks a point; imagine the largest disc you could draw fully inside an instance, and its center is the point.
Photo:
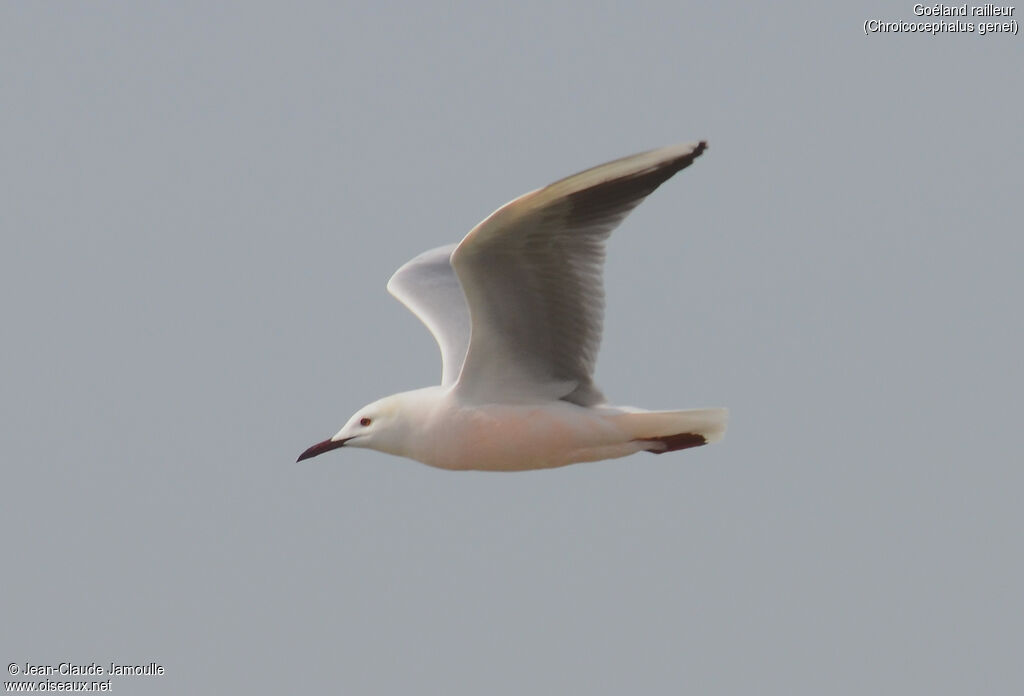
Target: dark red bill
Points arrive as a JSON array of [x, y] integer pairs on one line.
[[321, 447]]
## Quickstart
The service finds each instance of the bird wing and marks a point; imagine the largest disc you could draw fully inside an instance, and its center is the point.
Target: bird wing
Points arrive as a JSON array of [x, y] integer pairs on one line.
[[427, 285], [532, 277]]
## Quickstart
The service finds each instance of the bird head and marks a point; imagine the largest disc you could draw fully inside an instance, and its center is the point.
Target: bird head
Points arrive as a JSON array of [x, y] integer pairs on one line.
[[375, 426]]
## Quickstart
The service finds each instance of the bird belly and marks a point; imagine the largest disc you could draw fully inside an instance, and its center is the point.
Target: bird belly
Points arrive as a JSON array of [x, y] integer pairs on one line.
[[519, 438]]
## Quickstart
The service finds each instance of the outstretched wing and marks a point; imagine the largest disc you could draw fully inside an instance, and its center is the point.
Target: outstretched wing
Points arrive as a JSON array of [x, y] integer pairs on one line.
[[532, 276], [427, 285]]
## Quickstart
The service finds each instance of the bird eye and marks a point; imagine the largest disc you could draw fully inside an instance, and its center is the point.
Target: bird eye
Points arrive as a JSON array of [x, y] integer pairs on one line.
[[364, 422]]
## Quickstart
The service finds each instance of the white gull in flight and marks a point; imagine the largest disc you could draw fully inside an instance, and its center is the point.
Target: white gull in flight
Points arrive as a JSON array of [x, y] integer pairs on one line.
[[516, 308]]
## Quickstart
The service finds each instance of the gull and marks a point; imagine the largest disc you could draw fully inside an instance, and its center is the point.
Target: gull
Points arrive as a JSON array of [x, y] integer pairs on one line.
[[516, 308]]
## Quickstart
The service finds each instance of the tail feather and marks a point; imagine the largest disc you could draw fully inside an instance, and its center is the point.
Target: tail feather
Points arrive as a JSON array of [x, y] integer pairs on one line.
[[668, 431]]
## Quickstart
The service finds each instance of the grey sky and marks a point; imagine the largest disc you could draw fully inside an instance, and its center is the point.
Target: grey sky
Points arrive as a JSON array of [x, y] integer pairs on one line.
[[202, 204]]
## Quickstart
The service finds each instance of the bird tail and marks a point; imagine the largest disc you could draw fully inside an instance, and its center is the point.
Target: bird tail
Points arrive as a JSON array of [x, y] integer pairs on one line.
[[667, 431]]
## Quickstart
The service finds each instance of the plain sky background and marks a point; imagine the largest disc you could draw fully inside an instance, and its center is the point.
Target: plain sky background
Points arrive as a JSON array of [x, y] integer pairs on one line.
[[202, 202]]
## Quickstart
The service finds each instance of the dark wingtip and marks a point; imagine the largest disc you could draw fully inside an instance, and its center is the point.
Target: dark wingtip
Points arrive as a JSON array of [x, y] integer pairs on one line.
[[686, 160], [320, 448], [677, 442]]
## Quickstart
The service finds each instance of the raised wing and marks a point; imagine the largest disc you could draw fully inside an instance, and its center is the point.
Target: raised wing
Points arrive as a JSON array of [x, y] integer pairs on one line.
[[532, 276], [427, 285]]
